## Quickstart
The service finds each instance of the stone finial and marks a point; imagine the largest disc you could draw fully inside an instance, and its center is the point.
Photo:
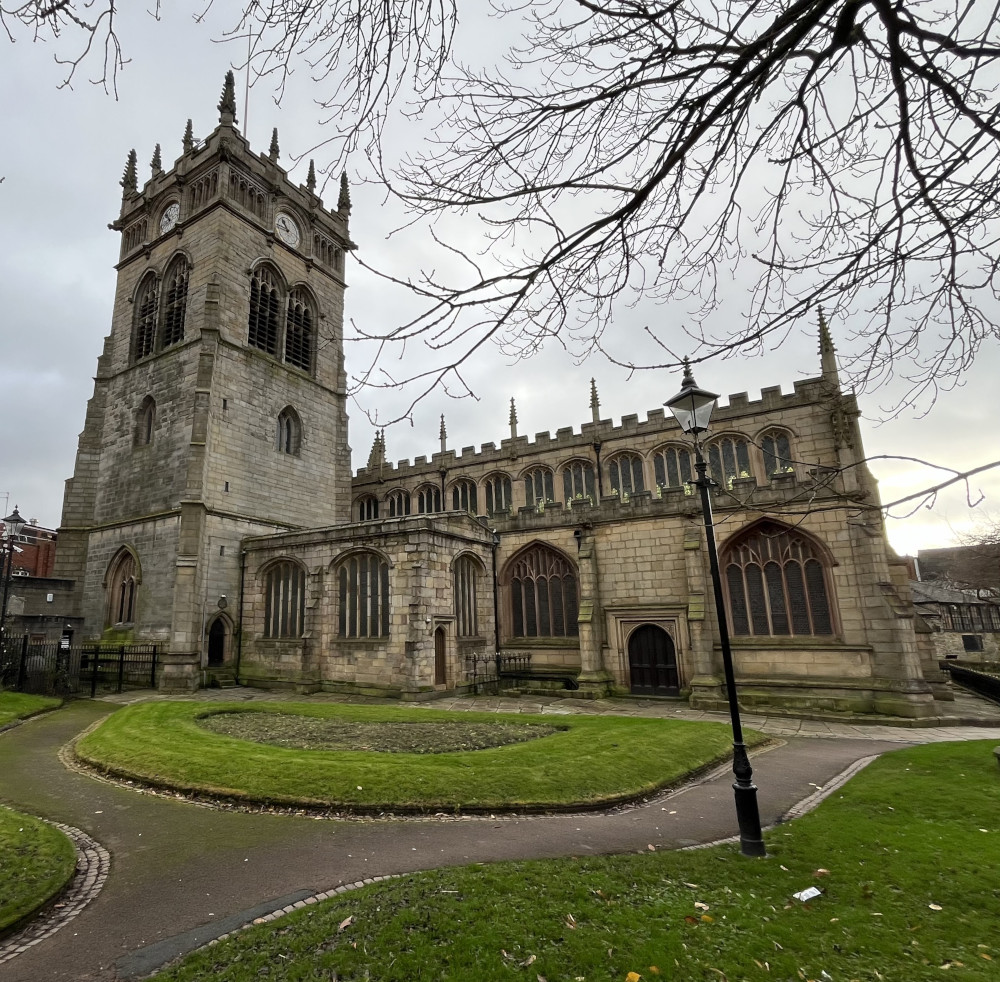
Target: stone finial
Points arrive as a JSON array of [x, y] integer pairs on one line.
[[129, 181], [273, 149], [827, 354], [344, 200], [513, 419], [311, 178], [227, 103], [188, 142], [595, 403], [443, 434], [156, 164], [376, 459]]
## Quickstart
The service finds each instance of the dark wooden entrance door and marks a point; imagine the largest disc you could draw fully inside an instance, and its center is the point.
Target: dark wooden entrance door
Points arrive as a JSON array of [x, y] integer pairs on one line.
[[217, 642], [652, 662], [440, 675]]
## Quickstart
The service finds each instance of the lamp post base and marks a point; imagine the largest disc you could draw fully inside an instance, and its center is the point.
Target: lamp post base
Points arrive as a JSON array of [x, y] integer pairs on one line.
[[748, 819]]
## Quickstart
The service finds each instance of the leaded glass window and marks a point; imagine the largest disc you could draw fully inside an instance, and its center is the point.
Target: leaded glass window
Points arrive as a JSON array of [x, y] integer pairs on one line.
[[363, 596], [121, 589], [578, 481], [777, 452], [499, 496], [538, 486], [672, 467], [467, 573], [542, 587], [399, 503], [428, 499], [728, 459], [284, 600], [288, 432], [367, 508], [625, 471], [778, 584], [463, 496]]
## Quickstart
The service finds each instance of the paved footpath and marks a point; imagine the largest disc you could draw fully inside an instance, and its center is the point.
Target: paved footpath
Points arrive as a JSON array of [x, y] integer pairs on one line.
[[182, 874]]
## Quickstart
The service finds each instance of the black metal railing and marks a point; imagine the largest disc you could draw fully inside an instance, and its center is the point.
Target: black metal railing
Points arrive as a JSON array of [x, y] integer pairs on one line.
[[482, 675], [982, 683], [78, 670]]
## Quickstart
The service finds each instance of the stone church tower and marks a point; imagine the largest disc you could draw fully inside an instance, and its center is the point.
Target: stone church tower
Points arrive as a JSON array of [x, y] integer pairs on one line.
[[219, 402]]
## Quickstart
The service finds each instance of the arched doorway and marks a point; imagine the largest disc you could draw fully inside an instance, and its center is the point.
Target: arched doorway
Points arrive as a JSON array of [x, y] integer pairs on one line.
[[652, 662], [440, 672], [217, 643]]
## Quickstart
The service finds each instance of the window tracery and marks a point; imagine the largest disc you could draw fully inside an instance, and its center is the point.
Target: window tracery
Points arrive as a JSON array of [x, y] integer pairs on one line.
[[363, 596], [625, 471], [499, 495], [288, 432], [284, 600], [578, 481], [542, 591], [538, 486], [121, 586]]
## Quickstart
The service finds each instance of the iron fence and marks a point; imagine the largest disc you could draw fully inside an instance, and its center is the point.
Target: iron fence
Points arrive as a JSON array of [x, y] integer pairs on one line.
[[77, 670], [482, 675]]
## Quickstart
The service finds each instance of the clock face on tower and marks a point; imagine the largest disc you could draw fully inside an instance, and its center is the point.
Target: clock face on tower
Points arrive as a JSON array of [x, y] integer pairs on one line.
[[287, 229], [169, 217]]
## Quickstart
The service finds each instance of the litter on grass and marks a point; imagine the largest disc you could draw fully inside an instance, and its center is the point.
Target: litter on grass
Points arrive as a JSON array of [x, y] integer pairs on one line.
[[808, 894]]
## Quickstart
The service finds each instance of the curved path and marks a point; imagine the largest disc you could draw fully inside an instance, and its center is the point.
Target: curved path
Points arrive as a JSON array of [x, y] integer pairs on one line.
[[182, 874]]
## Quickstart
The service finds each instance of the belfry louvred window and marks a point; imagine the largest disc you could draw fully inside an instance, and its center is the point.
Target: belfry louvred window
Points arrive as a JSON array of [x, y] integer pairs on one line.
[[299, 331], [175, 291], [542, 589], [778, 584], [146, 308], [264, 323]]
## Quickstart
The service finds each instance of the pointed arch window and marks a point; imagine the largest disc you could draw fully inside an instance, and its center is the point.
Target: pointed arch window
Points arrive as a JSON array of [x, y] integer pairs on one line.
[[578, 481], [778, 583], [728, 459], [284, 600], [428, 499], [367, 508], [363, 596], [288, 432], [499, 495], [299, 331], [175, 291], [463, 497], [625, 471], [542, 590], [672, 467], [399, 503], [122, 582], [777, 450], [144, 329], [467, 573], [538, 486], [145, 422], [263, 327]]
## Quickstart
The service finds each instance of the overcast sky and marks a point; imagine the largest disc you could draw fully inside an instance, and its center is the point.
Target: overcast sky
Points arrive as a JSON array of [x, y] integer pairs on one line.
[[62, 157]]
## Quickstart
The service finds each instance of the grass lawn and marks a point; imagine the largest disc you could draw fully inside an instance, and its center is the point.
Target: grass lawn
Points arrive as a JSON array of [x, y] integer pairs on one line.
[[20, 705], [906, 856], [36, 862], [587, 760]]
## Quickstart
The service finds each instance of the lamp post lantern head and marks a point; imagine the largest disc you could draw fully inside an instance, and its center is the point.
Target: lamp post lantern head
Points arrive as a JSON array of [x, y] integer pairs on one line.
[[13, 523], [692, 407]]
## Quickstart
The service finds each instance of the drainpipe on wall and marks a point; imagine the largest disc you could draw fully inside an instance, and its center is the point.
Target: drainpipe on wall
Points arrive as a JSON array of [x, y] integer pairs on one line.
[[600, 478], [239, 635], [496, 601]]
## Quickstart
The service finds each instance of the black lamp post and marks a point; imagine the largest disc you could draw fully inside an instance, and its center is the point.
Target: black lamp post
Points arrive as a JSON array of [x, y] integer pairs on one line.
[[692, 408], [12, 524]]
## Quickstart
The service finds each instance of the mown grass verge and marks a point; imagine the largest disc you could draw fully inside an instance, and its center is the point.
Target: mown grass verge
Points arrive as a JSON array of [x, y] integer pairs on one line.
[[590, 761], [20, 705], [36, 862], [905, 855]]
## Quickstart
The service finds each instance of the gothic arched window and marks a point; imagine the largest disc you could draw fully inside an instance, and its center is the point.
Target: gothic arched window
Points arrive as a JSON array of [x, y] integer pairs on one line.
[[778, 583], [121, 586], [263, 325], [175, 291], [145, 307], [399, 503], [284, 600], [288, 432], [463, 496], [428, 499], [367, 508], [777, 450], [363, 596], [672, 467], [728, 459], [145, 420], [467, 572], [578, 481], [299, 330], [625, 471], [538, 486], [541, 586], [499, 496]]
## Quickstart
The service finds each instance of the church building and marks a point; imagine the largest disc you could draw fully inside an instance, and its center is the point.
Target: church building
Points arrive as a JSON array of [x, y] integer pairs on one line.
[[212, 508]]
